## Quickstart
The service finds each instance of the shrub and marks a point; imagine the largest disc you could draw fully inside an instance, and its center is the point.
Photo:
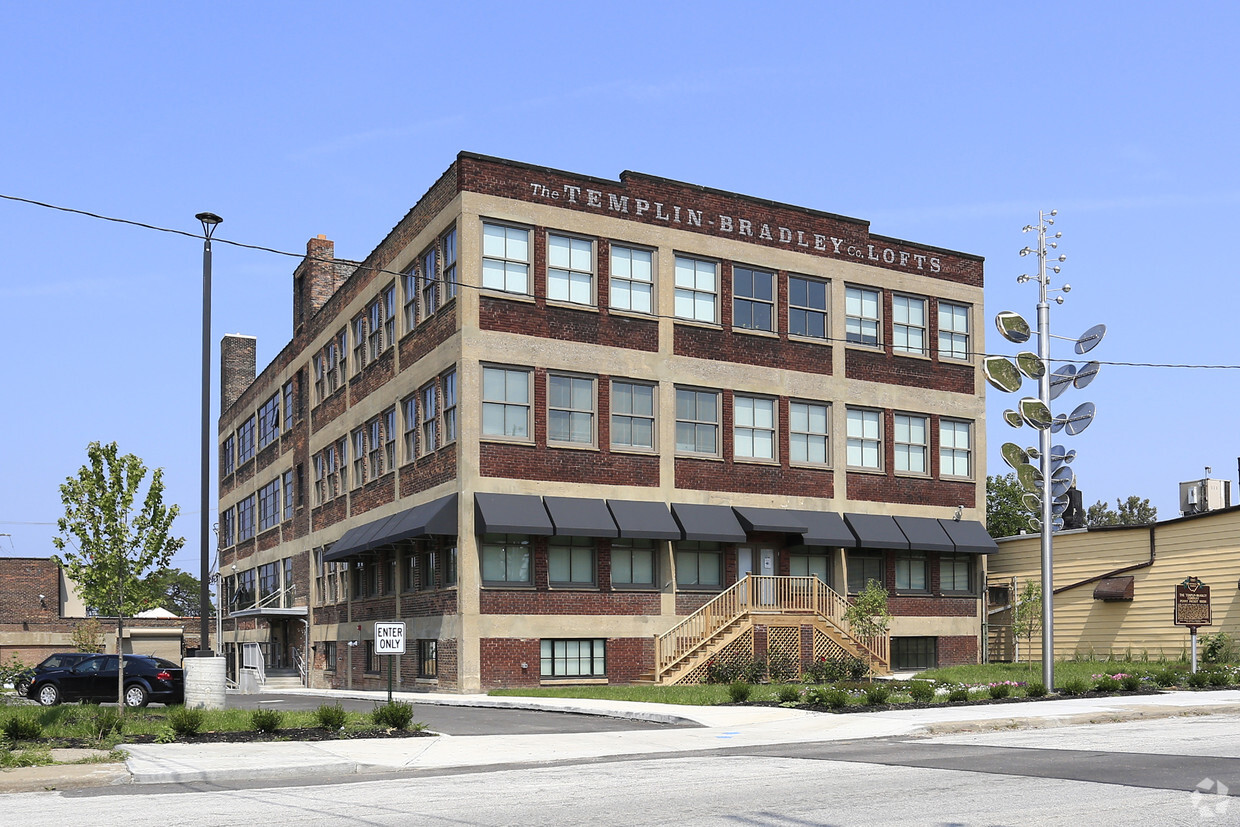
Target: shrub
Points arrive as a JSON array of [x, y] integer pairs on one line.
[[835, 698], [266, 720], [184, 721], [789, 695], [1166, 677], [23, 728], [957, 695], [999, 690], [781, 667], [1074, 686], [1198, 680], [1106, 683], [738, 691], [877, 694], [331, 717], [1035, 689], [921, 692], [393, 715], [1217, 648], [1131, 683], [108, 721], [1218, 678]]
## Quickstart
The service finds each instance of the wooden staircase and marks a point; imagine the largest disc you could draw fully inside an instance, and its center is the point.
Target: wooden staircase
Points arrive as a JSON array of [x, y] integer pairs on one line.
[[783, 605]]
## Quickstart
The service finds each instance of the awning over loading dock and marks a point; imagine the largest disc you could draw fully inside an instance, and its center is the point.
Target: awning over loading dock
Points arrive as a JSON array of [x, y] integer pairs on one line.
[[435, 517]]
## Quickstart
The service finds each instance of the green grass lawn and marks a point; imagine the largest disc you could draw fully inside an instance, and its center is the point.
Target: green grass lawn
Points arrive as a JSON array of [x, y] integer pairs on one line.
[[984, 673], [706, 694]]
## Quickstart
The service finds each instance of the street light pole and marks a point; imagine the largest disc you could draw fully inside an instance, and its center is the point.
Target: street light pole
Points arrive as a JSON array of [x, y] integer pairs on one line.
[[209, 223]]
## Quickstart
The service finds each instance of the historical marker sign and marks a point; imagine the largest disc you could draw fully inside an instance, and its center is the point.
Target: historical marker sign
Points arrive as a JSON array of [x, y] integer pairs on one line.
[[1192, 603], [389, 638]]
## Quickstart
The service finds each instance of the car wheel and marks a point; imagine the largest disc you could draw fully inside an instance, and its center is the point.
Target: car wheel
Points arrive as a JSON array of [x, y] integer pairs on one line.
[[136, 695], [22, 686], [48, 695]]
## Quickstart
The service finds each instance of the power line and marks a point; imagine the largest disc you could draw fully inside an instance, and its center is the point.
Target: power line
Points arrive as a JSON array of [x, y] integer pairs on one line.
[[490, 290]]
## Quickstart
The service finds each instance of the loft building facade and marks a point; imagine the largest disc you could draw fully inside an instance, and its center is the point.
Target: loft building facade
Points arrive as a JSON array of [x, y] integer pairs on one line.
[[576, 429]]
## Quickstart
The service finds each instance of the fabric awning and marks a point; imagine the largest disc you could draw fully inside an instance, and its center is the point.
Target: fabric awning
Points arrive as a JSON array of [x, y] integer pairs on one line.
[[352, 541], [1115, 588], [877, 531], [708, 523], [778, 520], [969, 536], [925, 534], [644, 520], [435, 517], [826, 528], [511, 514], [580, 517]]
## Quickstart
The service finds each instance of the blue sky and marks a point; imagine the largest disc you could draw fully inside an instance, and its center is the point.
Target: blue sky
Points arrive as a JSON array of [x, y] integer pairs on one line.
[[949, 124]]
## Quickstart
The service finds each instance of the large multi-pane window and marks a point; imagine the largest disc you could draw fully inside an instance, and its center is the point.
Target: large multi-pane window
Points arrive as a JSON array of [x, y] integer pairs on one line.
[[288, 403], [245, 519], [430, 282], [807, 432], [632, 279], [228, 456], [753, 299], [953, 331], [570, 409], [359, 343], [865, 429], [409, 289], [697, 285], [269, 421], [320, 377], [246, 591], [570, 561], [633, 563], [506, 559], [506, 402], [956, 572], [409, 409], [320, 479], [228, 528], [809, 564], [389, 315], [342, 465], [911, 443], [753, 432], [342, 358], [699, 564], [908, 324], [268, 581], [269, 505], [573, 658], [288, 495], [697, 421], [632, 415], [374, 445], [448, 242], [912, 571], [570, 269], [505, 258], [914, 653], [862, 568], [389, 439], [861, 319], [429, 399], [359, 458], [807, 307], [954, 448], [245, 441], [449, 406], [428, 663]]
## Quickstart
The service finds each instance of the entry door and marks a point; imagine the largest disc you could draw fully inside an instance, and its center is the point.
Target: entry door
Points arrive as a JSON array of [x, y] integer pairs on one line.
[[766, 568], [744, 566]]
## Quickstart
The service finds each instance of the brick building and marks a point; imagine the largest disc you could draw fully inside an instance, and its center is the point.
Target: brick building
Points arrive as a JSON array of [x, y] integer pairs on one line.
[[550, 417]]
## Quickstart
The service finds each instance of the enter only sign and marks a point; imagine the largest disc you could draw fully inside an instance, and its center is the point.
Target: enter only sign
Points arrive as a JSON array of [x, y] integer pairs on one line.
[[389, 638]]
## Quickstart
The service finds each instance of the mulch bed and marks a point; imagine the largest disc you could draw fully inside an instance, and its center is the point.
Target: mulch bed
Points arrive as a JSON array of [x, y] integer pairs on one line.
[[251, 737], [973, 702]]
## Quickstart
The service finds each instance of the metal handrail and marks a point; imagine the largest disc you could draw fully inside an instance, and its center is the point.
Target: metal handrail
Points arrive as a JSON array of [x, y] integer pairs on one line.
[[300, 663]]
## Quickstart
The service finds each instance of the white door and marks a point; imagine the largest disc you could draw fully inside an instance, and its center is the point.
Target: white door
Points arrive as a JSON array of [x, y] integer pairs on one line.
[[766, 568], [744, 566]]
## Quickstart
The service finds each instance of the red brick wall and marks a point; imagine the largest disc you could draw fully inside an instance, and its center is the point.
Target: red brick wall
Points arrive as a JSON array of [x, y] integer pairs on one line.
[[957, 649], [567, 602], [567, 323], [428, 471], [501, 659], [530, 462], [884, 366]]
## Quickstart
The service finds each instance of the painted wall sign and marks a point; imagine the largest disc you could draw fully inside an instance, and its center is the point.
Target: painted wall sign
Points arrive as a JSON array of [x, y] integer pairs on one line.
[[1192, 603]]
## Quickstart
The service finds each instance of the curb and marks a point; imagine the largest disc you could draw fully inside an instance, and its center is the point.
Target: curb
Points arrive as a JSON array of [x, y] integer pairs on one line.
[[63, 777]]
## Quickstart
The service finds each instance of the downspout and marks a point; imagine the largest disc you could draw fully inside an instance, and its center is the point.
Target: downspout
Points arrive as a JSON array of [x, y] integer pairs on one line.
[[1118, 571]]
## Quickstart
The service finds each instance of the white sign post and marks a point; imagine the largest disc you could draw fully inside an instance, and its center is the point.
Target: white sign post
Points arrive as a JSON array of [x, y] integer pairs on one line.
[[390, 640]]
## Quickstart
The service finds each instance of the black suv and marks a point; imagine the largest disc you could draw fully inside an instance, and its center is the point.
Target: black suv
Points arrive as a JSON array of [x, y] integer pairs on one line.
[[60, 660], [94, 679]]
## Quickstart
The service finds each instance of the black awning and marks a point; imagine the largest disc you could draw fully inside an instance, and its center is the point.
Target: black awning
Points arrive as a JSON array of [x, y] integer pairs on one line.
[[925, 534], [779, 520], [709, 523], [876, 531], [435, 517], [351, 542], [644, 520], [969, 536], [580, 517], [511, 514], [826, 528]]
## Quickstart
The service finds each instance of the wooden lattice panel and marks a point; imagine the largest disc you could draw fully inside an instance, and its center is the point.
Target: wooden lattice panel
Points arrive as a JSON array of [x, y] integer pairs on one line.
[[784, 640], [825, 647], [741, 647]]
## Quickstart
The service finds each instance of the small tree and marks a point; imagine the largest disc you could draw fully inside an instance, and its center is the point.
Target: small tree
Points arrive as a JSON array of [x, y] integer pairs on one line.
[[88, 636], [106, 548], [1027, 615], [1006, 515], [1132, 511], [868, 615], [179, 592]]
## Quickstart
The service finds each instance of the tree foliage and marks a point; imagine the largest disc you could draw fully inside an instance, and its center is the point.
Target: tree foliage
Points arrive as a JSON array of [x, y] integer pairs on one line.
[[1132, 511], [88, 636], [867, 615], [1027, 615], [179, 592], [1006, 516]]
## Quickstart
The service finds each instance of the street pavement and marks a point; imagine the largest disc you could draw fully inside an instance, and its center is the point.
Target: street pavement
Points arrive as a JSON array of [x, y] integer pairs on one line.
[[711, 728]]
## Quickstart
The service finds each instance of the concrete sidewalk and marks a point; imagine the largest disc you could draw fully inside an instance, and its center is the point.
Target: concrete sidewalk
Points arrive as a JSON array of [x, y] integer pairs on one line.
[[720, 726]]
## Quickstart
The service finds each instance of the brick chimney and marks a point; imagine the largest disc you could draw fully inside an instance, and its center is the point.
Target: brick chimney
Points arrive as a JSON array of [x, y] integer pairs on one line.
[[315, 280], [238, 367]]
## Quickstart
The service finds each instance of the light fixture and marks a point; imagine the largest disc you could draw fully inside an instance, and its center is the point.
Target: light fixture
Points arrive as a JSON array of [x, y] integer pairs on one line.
[[209, 222]]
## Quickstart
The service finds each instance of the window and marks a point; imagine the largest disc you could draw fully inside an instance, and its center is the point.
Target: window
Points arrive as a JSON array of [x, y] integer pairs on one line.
[[449, 566], [430, 282], [374, 442], [410, 408], [861, 316], [807, 564], [430, 407], [448, 242], [570, 409], [505, 559], [753, 299], [632, 415], [570, 269], [320, 479], [359, 343], [269, 505], [954, 453], [570, 561], [862, 568], [697, 421], [912, 571], [370, 662], [696, 283], [632, 563], [320, 377], [342, 465], [245, 519], [288, 495], [268, 581], [342, 350], [914, 653], [227, 527], [506, 402], [505, 258], [269, 421], [329, 655], [574, 658], [428, 666], [807, 433], [449, 407], [389, 439], [911, 443], [632, 279], [378, 326], [389, 315], [753, 431], [245, 441], [288, 403], [228, 456], [359, 458], [953, 331], [420, 569], [699, 564], [807, 307], [246, 592], [409, 289], [865, 438], [391, 563], [956, 572], [908, 324]]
